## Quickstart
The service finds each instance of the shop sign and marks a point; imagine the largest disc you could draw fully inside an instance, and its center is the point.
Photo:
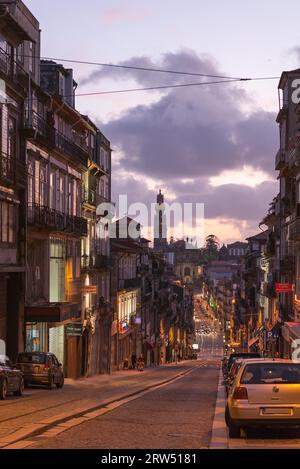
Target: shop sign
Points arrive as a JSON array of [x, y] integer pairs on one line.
[[89, 289], [123, 327], [74, 330], [283, 287]]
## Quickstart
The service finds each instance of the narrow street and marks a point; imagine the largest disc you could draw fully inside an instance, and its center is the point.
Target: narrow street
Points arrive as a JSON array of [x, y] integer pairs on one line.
[[178, 405]]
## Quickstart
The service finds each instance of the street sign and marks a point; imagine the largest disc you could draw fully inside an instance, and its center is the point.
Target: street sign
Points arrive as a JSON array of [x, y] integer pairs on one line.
[[89, 289], [283, 287], [74, 330]]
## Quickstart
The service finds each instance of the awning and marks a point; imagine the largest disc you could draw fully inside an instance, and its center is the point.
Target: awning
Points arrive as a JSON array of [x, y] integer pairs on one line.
[[53, 313], [253, 341], [291, 331]]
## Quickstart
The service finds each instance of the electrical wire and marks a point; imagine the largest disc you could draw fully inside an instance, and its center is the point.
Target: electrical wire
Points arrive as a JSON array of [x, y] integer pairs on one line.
[[151, 88], [142, 69], [222, 78]]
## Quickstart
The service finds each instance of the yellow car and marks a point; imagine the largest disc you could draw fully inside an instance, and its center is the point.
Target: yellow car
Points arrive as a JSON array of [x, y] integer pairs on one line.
[[265, 393]]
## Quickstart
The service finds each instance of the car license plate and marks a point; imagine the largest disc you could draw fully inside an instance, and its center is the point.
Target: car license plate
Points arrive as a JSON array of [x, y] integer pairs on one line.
[[277, 411]]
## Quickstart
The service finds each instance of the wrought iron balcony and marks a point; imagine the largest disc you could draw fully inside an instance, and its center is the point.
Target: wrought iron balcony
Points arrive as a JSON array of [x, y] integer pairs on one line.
[[90, 196], [94, 261], [12, 171], [7, 169], [48, 218], [11, 70], [67, 146], [38, 128]]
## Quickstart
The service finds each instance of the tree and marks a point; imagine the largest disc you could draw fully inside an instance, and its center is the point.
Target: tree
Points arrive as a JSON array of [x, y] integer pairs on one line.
[[212, 244]]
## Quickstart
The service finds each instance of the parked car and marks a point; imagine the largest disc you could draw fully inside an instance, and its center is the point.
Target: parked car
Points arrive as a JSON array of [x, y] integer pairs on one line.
[[232, 374], [236, 355], [41, 368], [224, 364], [11, 379], [265, 394]]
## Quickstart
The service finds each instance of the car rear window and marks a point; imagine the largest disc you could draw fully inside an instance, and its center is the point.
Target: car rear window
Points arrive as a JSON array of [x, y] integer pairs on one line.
[[32, 358], [277, 373]]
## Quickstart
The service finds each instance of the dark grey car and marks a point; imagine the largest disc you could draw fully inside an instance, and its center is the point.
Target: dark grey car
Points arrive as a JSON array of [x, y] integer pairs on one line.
[[11, 379]]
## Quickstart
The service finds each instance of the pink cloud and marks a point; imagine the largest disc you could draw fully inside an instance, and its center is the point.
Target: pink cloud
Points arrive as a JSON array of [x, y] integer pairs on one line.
[[116, 14]]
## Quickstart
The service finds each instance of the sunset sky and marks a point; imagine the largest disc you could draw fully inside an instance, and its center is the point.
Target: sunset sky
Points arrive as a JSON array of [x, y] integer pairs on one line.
[[214, 144]]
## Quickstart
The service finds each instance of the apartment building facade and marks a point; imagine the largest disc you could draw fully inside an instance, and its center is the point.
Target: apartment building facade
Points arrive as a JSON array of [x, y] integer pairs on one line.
[[19, 39]]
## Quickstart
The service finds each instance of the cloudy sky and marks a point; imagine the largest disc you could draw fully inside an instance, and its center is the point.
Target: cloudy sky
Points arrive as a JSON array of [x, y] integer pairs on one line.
[[213, 144]]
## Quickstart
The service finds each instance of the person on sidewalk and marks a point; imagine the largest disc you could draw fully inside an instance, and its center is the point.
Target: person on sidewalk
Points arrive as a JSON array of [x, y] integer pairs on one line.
[[133, 360], [141, 363]]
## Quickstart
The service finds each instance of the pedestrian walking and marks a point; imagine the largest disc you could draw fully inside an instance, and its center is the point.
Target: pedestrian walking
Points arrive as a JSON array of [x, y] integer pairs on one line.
[[141, 363], [133, 360]]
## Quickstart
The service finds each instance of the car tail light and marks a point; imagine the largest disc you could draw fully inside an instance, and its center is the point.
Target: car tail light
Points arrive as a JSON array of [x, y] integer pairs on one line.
[[46, 367], [240, 393]]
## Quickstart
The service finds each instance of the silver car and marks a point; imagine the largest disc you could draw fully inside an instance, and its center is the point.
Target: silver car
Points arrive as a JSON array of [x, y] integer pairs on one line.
[[265, 393]]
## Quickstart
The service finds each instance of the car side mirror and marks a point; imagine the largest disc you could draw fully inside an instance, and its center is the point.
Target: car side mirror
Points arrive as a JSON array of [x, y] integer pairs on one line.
[[59, 364]]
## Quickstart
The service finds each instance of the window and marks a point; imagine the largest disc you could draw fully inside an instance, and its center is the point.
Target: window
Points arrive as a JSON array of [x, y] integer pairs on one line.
[[8, 227], [43, 186], [57, 270], [62, 183], [11, 137], [32, 57], [20, 53]]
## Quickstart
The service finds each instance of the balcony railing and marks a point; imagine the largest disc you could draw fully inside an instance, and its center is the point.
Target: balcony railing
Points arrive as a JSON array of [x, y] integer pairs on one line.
[[90, 196], [12, 70], [40, 128], [96, 262], [66, 145], [12, 171], [48, 218], [7, 169]]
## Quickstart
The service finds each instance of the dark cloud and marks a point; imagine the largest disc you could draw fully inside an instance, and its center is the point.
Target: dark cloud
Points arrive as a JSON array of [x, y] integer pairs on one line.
[[228, 201], [185, 60], [194, 132]]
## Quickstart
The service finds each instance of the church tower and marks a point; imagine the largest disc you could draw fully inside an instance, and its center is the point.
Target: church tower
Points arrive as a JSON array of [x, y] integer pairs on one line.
[[160, 223]]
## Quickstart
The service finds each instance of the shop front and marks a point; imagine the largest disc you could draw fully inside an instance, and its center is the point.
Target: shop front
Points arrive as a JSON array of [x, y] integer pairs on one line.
[[128, 326], [58, 330]]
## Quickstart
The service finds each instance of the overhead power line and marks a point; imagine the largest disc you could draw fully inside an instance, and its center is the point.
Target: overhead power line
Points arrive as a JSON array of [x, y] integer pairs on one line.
[[150, 88], [142, 69], [222, 78], [159, 70]]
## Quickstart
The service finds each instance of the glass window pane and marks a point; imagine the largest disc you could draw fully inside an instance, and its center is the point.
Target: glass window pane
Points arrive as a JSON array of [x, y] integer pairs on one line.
[[4, 222]]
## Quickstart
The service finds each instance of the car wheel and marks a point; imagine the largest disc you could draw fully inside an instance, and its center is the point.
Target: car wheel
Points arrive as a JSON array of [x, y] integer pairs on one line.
[[61, 382], [234, 431], [3, 390], [51, 382], [20, 390]]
